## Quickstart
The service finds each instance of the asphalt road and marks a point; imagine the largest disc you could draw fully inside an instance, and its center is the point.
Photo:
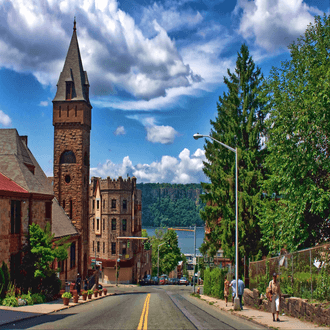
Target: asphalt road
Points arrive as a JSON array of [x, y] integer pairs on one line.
[[152, 307]]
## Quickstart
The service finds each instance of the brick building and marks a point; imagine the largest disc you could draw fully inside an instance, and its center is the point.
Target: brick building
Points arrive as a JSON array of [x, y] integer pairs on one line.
[[26, 197], [72, 125], [115, 211]]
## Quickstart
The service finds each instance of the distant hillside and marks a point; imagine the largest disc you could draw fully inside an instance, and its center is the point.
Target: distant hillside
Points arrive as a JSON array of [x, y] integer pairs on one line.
[[165, 204]]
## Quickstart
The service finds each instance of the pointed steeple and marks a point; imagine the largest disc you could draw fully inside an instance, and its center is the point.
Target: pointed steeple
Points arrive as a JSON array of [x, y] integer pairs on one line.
[[73, 83]]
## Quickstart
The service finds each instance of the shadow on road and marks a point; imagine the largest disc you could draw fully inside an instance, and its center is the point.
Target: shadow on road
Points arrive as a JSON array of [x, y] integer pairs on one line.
[[34, 321]]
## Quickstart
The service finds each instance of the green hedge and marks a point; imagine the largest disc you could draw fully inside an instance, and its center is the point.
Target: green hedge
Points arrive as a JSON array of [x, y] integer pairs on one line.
[[214, 282]]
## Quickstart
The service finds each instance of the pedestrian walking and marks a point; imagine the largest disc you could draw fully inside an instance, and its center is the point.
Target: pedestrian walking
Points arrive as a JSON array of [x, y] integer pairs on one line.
[[275, 292], [78, 284], [233, 289], [226, 290], [241, 287], [86, 284]]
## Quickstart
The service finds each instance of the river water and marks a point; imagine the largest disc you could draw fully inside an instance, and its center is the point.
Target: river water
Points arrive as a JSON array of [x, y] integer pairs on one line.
[[186, 239]]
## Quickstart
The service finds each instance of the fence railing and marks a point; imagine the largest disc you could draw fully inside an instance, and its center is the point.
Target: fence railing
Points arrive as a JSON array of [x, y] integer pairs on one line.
[[301, 274]]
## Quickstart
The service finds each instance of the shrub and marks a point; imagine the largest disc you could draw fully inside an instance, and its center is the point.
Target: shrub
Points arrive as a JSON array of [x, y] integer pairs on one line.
[[10, 301], [2, 284], [90, 291], [38, 298], [322, 291], [6, 274], [67, 295], [28, 298], [214, 282]]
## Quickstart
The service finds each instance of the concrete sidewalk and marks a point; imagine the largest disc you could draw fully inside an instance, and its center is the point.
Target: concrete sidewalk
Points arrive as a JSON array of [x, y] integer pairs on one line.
[[15, 314], [263, 318]]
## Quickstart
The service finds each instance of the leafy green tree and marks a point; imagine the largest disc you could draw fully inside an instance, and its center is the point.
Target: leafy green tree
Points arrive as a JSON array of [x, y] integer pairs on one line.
[[39, 254], [239, 124], [45, 250], [295, 211], [169, 252]]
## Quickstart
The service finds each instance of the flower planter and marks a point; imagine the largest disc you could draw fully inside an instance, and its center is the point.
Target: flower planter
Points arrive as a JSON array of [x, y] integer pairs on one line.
[[105, 291], [66, 301], [95, 294], [75, 299], [90, 296], [84, 296]]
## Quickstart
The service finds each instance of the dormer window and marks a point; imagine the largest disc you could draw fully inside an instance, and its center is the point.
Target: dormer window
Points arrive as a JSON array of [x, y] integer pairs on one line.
[[69, 90], [30, 167]]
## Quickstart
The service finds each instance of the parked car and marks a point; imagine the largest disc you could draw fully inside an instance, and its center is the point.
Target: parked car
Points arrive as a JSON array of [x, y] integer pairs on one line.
[[175, 281], [166, 278], [171, 281], [162, 280], [184, 281], [146, 280], [155, 280]]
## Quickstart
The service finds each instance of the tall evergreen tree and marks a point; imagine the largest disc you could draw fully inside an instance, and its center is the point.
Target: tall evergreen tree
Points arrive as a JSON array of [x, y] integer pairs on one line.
[[240, 123]]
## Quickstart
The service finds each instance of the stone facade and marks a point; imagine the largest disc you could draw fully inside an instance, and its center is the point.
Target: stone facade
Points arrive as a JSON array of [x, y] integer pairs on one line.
[[115, 211], [72, 125], [296, 307], [33, 210]]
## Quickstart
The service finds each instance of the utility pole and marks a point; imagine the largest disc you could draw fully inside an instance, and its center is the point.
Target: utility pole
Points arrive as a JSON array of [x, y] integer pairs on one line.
[[194, 255]]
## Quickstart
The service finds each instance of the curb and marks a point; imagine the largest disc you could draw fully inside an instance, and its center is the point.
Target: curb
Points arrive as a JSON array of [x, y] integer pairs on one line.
[[57, 310], [236, 314]]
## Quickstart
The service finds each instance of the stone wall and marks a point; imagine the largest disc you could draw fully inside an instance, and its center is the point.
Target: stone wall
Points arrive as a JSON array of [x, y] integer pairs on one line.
[[296, 307]]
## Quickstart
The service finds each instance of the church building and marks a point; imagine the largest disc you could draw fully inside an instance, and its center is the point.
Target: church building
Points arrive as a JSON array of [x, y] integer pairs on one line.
[[72, 125]]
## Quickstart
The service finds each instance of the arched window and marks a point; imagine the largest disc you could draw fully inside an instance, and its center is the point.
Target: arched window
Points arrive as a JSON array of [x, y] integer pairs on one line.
[[68, 157]]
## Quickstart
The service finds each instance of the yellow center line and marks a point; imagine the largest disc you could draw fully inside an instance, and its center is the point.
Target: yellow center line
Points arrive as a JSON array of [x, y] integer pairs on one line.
[[145, 326], [144, 315]]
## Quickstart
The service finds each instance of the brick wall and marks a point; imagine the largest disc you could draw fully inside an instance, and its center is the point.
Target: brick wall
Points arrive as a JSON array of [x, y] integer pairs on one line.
[[296, 307], [11, 244]]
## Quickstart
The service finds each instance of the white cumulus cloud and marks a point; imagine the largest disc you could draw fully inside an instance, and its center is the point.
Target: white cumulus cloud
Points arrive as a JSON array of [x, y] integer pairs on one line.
[[35, 36], [161, 134], [274, 23], [43, 103], [120, 130], [183, 169], [4, 119], [156, 133], [170, 17]]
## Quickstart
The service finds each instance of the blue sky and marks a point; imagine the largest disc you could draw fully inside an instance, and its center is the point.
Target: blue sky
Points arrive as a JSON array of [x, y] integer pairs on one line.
[[155, 68]]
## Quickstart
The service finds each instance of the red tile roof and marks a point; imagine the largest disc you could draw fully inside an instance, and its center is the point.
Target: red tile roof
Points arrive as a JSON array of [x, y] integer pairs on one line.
[[9, 185]]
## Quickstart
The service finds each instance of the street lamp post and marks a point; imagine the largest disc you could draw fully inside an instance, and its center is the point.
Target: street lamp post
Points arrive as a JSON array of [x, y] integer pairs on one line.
[[196, 137], [158, 259]]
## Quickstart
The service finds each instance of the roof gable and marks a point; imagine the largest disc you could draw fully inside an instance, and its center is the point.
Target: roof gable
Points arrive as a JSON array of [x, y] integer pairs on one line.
[[18, 164], [9, 185]]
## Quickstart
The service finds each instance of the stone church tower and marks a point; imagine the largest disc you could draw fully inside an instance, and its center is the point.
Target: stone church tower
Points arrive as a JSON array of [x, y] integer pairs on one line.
[[72, 125]]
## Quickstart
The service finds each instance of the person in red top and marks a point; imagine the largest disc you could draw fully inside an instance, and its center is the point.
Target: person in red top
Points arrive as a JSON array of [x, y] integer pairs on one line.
[[226, 290]]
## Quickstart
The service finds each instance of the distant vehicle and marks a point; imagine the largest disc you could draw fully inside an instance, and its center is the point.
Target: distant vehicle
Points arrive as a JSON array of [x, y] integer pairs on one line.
[[183, 281], [155, 280], [166, 278], [171, 281], [175, 281], [146, 280], [162, 280]]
